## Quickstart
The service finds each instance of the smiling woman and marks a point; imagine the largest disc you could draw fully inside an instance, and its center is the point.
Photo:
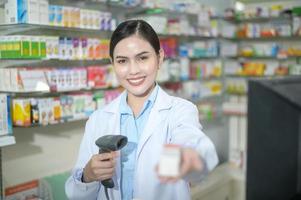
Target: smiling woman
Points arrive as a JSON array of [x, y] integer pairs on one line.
[[136, 64], [150, 119]]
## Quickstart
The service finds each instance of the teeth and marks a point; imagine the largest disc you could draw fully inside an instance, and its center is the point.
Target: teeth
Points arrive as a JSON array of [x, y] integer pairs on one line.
[[136, 80]]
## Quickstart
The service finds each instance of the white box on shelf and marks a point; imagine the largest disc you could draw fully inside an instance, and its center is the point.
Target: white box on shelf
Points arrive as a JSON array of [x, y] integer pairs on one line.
[[83, 18], [2, 16], [184, 68], [24, 11], [11, 13], [15, 82], [69, 48], [6, 79], [44, 12], [1, 79], [62, 48], [52, 47], [5, 120], [33, 12], [34, 80]]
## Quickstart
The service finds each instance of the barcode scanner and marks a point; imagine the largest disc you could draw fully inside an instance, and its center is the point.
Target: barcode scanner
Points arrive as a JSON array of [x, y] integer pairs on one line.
[[107, 144]]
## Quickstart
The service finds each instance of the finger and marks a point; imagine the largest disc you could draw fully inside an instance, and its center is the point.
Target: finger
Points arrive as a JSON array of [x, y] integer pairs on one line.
[[184, 167], [168, 179], [104, 171], [197, 163], [104, 156], [107, 164], [115, 154]]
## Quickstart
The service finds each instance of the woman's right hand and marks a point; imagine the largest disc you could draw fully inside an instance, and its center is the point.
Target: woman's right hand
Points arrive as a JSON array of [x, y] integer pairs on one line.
[[100, 167]]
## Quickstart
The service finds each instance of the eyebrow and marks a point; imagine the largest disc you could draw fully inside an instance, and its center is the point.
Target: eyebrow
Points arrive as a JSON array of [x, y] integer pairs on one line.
[[139, 54]]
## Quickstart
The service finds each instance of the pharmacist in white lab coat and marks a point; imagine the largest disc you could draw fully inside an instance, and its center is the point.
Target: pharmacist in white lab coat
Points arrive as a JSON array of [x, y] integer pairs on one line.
[[150, 118]]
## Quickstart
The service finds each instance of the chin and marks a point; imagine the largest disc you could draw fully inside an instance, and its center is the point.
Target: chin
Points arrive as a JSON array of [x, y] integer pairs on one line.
[[139, 91]]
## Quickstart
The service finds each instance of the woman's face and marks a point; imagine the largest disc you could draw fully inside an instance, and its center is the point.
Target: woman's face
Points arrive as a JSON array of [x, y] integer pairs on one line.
[[136, 64]]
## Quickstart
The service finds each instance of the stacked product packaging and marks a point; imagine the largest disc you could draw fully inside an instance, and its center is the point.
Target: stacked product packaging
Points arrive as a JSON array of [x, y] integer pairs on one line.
[[52, 110], [57, 79], [52, 47], [40, 12]]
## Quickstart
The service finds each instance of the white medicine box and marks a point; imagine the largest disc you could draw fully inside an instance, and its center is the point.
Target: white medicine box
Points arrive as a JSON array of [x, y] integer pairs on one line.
[[22, 11], [170, 160]]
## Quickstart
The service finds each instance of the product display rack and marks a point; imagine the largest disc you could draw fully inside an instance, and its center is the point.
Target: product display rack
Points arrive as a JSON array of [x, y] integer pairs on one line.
[[38, 29], [50, 62], [238, 20], [235, 104]]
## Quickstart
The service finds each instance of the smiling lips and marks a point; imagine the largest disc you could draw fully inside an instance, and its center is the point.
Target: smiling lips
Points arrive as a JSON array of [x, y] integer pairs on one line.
[[136, 81]]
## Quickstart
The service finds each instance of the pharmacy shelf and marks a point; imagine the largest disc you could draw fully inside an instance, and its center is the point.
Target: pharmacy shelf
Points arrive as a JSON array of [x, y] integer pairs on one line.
[[88, 4], [204, 98], [194, 37], [204, 57], [263, 57], [272, 38], [62, 121], [7, 140], [258, 19], [50, 62], [39, 29], [253, 77], [202, 79], [165, 12], [236, 93], [55, 93]]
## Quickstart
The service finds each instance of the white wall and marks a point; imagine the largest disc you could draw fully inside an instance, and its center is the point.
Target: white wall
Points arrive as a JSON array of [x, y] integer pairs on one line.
[[41, 151]]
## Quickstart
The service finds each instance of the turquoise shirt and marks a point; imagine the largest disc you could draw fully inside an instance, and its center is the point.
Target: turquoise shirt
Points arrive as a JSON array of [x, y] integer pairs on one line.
[[132, 128]]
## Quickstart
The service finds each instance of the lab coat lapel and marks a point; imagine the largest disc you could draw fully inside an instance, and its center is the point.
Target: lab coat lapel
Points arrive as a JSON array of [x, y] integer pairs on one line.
[[156, 116], [113, 128]]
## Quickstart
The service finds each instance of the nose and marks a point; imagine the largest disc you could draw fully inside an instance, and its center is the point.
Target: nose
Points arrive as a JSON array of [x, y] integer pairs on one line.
[[134, 67]]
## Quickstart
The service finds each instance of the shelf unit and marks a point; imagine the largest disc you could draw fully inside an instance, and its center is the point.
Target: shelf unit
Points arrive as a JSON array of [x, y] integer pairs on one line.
[[35, 29], [40, 29], [235, 105]]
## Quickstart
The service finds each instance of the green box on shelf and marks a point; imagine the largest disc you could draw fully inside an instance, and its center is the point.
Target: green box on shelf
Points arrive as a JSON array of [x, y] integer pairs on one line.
[[25, 47], [296, 11], [15, 45], [42, 49], [35, 47], [7, 51], [1, 46]]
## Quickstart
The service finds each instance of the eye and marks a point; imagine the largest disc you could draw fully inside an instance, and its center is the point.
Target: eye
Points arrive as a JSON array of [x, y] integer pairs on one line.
[[121, 61], [143, 57]]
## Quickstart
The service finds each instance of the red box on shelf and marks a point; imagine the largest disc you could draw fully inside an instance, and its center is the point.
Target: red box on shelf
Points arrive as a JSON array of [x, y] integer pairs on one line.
[[97, 76]]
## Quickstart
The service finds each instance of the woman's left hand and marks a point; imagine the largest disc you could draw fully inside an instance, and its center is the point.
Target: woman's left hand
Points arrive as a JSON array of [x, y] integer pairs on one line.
[[190, 161]]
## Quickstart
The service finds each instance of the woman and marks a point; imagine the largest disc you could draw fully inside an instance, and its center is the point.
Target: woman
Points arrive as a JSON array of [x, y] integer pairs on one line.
[[149, 118]]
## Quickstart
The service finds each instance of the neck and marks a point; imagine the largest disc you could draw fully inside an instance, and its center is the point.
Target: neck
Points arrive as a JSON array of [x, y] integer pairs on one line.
[[136, 102]]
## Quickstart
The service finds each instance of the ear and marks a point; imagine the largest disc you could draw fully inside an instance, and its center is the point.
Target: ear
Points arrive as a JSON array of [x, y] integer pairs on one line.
[[161, 57]]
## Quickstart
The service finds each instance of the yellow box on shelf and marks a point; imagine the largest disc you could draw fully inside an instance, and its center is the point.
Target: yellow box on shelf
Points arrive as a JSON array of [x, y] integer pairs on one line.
[[22, 47], [21, 112]]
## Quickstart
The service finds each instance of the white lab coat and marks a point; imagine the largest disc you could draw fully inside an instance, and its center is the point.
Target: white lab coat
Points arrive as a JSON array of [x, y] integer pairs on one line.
[[172, 120]]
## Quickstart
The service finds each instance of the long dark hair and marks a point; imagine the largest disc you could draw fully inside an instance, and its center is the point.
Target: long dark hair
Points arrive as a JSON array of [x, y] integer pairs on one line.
[[131, 27]]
